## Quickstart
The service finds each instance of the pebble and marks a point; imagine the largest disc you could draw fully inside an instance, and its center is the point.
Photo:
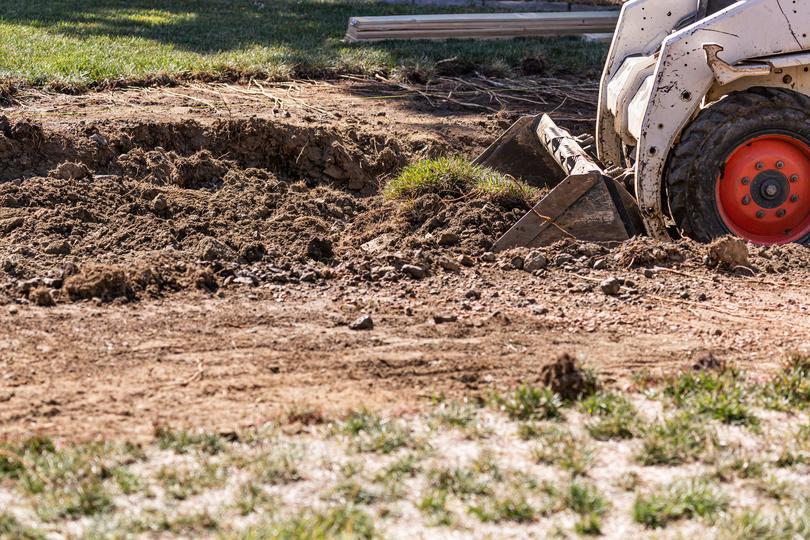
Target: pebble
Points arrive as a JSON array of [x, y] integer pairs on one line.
[[535, 262], [416, 272], [450, 265], [364, 322], [611, 286], [538, 310], [13, 310], [466, 260], [488, 257], [600, 264], [441, 318], [562, 259], [472, 294], [517, 262]]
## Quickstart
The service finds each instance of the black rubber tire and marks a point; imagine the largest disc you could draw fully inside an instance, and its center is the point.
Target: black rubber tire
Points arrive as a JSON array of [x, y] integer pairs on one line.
[[696, 161]]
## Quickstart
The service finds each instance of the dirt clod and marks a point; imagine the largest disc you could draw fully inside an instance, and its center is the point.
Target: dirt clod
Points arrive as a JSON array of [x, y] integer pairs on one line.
[[566, 378], [42, 296], [71, 171], [728, 253], [320, 249], [98, 281], [709, 362]]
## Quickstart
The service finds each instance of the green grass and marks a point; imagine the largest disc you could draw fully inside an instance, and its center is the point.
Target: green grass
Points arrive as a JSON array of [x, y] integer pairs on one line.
[[12, 529], [685, 500], [589, 503], [454, 177], [790, 388], [341, 522], [723, 396], [82, 42], [370, 433], [182, 441], [680, 439], [434, 505], [613, 417], [515, 508], [766, 525], [559, 447], [530, 403]]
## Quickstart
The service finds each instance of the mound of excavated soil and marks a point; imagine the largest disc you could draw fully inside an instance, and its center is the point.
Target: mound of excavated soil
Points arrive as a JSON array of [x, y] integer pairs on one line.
[[134, 210]]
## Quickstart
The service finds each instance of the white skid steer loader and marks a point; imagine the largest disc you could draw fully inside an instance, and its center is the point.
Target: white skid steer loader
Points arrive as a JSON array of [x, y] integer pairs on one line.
[[703, 130]]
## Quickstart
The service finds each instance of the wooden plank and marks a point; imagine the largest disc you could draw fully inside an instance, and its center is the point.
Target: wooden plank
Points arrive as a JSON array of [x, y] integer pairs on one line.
[[552, 18], [480, 26]]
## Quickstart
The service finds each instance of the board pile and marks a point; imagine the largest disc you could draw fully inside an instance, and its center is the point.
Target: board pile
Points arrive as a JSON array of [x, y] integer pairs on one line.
[[481, 25]]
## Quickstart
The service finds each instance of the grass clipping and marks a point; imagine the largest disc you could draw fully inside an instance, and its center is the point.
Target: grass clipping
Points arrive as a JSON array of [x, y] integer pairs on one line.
[[457, 177]]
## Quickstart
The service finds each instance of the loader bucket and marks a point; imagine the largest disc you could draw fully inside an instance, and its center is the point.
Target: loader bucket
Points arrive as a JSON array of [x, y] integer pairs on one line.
[[584, 203], [519, 153]]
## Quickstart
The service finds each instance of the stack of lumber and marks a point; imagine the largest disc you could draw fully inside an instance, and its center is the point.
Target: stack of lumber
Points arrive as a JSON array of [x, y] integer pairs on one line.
[[481, 25]]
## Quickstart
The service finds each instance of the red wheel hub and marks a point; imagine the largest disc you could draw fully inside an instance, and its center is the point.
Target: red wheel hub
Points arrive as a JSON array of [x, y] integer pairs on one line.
[[763, 194]]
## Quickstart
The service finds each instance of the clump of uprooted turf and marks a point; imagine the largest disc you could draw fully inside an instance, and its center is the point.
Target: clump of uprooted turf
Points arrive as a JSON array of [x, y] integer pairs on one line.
[[455, 177]]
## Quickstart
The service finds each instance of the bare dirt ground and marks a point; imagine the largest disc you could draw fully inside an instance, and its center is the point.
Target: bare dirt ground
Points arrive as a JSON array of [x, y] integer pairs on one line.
[[207, 247]]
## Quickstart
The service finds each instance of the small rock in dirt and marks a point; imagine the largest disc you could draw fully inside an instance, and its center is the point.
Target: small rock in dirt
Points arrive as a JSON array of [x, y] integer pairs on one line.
[[362, 323], [538, 310], [448, 239], [13, 310], [159, 204], [98, 281], [567, 379], [320, 249], [42, 296], [211, 249], [728, 252], [58, 248], [71, 171], [251, 253], [517, 262], [416, 272], [440, 318], [472, 294], [488, 257], [562, 259], [245, 280], [649, 273], [709, 362], [99, 139], [466, 260], [450, 265], [534, 262], [611, 286], [600, 264]]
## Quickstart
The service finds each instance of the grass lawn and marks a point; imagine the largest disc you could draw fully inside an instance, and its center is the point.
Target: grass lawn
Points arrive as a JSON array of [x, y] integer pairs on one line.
[[84, 42]]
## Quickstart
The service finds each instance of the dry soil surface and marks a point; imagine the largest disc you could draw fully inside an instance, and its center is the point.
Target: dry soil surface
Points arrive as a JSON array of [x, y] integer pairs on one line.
[[197, 255]]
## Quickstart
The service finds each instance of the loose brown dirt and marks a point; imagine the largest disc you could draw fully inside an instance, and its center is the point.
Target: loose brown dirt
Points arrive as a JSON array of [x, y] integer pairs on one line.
[[195, 256]]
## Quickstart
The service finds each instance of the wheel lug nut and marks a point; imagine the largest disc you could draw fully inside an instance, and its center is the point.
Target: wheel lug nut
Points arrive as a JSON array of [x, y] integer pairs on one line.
[[794, 198], [760, 214], [760, 165], [781, 213], [780, 164], [746, 200], [746, 181], [794, 178]]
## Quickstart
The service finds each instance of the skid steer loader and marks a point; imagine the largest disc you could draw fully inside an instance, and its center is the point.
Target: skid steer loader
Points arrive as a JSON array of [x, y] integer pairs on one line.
[[703, 130]]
